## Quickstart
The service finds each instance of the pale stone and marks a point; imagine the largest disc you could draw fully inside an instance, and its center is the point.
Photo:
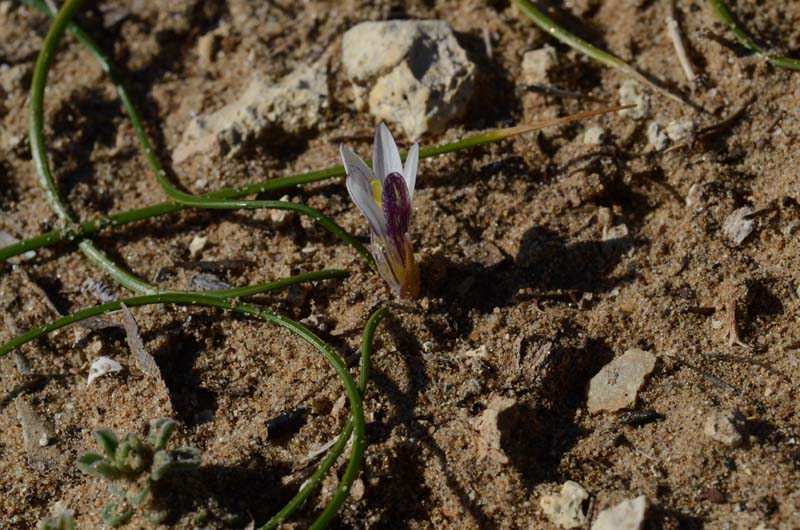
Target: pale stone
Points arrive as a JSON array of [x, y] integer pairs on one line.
[[617, 384], [409, 72], [680, 130], [293, 106], [728, 427], [536, 64], [594, 135], [566, 508], [737, 226], [489, 441], [630, 93], [656, 136], [627, 515], [102, 366]]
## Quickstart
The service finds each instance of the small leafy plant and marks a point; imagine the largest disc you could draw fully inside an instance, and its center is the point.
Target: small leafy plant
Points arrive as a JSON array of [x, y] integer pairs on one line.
[[62, 521], [135, 468]]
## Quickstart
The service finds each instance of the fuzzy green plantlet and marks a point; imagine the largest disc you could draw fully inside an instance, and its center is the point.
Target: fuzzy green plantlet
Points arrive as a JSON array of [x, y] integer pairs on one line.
[[134, 467], [62, 521]]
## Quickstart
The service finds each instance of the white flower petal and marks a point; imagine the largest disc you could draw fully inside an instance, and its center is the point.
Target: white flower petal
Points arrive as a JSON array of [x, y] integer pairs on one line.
[[410, 173], [359, 187], [385, 156]]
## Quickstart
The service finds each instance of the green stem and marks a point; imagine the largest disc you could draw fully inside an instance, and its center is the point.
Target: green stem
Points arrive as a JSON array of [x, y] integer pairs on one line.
[[39, 151], [93, 226], [341, 442], [549, 26], [726, 17], [355, 422], [169, 188]]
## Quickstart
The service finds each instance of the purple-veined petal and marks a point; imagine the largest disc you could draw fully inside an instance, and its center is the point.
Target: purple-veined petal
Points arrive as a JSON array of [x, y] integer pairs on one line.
[[385, 156], [396, 209], [359, 187], [410, 173]]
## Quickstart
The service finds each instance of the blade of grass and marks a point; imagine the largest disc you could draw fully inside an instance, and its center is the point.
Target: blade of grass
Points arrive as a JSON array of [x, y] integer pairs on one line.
[[93, 226], [549, 26], [725, 16], [330, 459], [355, 424], [39, 152]]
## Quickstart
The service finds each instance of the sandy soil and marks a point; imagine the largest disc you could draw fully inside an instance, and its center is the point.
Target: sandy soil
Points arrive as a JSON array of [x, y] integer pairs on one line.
[[523, 298]]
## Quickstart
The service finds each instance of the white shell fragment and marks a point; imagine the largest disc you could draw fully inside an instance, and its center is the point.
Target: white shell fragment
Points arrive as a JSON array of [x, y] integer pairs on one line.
[[737, 226], [101, 366]]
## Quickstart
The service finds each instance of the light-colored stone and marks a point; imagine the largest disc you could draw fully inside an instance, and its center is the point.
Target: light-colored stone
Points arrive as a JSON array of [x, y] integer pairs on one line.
[[617, 384], [627, 515], [679, 130], [737, 226], [37, 435], [594, 135], [197, 245], [566, 508], [12, 77], [616, 232], [293, 106], [656, 136], [409, 72], [728, 427], [102, 366], [631, 93], [536, 65], [489, 447]]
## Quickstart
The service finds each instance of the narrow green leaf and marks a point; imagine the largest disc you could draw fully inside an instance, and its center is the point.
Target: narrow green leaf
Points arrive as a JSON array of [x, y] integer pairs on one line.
[[107, 440]]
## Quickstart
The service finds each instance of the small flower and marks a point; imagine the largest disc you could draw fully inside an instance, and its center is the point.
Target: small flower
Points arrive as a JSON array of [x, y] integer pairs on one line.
[[385, 197]]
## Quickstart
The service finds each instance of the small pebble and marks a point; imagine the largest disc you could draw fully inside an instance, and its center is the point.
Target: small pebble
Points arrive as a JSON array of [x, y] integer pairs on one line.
[[728, 427], [617, 384], [536, 64], [737, 226], [102, 366], [630, 93], [679, 130], [656, 137], [197, 245], [566, 508], [627, 515], [594, 135]]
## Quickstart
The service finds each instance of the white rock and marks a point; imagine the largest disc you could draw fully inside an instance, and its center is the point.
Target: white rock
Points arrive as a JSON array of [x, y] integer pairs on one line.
[[102, 366], [656, 137], [627, 515], [617, 384], [737, 227], [630, 93], [566, 509], [616, 232], [292, 106], [728, 427], [680, 129], [594, 135], [197, 245], [409, 72], [12, 77], [536, 64]]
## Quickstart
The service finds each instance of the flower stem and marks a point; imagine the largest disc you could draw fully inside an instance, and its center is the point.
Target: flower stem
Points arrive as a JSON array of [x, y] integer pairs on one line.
[[330, 459], [93, 226]]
